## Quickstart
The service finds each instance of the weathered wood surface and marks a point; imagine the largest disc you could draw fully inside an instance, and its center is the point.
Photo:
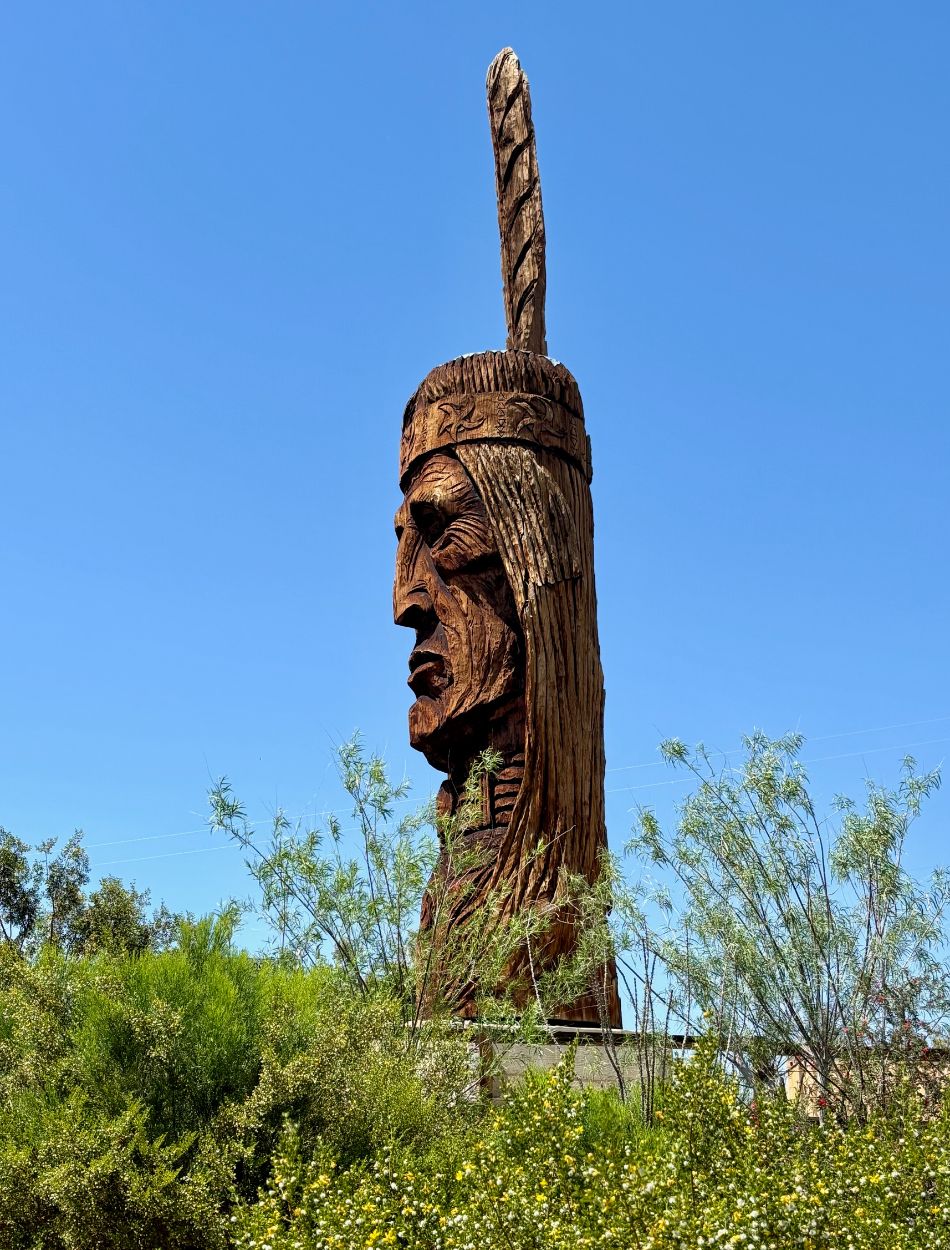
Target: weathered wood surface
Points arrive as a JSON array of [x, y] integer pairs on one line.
[[495, 574], [518, 188]]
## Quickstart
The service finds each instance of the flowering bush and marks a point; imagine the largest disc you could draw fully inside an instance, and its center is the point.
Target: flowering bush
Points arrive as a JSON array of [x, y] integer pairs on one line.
[[142, 1093], [715, 1171]]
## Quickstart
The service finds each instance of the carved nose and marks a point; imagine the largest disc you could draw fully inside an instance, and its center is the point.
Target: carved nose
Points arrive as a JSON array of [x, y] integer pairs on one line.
[[412, 608], [412, 603]]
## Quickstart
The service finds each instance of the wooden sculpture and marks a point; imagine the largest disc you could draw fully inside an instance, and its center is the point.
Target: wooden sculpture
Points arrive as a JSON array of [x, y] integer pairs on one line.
[[495, 573]]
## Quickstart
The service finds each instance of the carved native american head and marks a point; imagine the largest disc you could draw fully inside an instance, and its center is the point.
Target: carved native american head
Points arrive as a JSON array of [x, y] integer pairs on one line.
[[494, 574]]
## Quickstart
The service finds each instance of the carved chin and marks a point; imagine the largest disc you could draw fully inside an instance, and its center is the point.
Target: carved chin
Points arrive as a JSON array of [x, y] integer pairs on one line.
[[425, 718], [450, 729], [427, 725]]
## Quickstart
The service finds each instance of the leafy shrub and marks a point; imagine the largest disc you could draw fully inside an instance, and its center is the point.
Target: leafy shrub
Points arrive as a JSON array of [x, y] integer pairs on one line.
[[356, 1087], [717, 1171], [71, 1176], [801, 935], [161, 1082], [180, 1032], [182, 1093]]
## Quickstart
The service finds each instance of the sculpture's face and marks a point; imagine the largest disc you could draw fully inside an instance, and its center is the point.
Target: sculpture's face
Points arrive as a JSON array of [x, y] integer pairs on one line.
[[451, 588]]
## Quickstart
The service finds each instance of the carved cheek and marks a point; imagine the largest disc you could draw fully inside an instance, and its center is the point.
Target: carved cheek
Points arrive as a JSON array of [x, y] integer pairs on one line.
[[408, 583], [468, 540], [483, 647], [454, 614], [451, 557]]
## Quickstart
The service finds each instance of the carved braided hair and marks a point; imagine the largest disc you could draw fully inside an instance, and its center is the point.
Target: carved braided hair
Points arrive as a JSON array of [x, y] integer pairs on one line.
[[520, 218]]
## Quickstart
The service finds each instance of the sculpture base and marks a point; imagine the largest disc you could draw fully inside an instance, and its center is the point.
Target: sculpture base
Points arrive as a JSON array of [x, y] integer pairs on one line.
[[602, 1058]]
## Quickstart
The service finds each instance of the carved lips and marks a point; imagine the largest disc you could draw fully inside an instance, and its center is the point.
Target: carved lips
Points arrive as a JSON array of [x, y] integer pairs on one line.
[[428, 673]]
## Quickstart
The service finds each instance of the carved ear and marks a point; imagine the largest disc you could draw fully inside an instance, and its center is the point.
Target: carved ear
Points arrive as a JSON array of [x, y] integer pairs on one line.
[[536, 533]]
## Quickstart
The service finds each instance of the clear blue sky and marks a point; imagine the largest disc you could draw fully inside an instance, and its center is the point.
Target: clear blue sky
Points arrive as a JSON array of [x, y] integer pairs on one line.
[[236, 236]]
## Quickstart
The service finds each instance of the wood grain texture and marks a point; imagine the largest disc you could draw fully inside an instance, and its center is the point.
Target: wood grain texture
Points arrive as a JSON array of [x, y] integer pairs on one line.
[[542, 517], [495, 572], [520, 217]]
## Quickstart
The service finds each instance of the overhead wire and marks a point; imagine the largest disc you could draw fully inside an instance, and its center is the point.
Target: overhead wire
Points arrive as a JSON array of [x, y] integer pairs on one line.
[[822, 759], [847, 733], [141, 859], [850, 733]]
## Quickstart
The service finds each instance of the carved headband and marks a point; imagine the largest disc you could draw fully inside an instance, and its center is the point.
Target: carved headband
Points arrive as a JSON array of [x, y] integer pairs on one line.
[[519, 395], [509, 417]]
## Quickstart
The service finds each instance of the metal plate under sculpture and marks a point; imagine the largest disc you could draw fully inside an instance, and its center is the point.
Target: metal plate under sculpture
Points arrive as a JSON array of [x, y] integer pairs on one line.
[[495, 573]]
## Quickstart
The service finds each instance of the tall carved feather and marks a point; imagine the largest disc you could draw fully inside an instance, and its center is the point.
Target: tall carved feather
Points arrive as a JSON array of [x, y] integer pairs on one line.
[[520, 219]]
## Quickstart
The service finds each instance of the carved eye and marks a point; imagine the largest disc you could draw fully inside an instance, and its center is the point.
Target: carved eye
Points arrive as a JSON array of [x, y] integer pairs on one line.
[[429, 520]]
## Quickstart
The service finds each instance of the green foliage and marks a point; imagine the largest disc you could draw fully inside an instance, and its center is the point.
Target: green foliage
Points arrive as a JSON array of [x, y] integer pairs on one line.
[[797, 938], [159, 1087], [354, 1088], [43, 901], [612, 1121], [19, 891], [161, 1082], [41, 894], [114, 919], [65, 877], [71, 1176], [355, 901], [178, 1032], [34, 1021], [540, 1171]]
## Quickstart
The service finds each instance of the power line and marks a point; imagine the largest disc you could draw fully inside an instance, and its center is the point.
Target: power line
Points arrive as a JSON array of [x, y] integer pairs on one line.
[[650, 785], [149, 837], [931, 742], [911, 724], [157, 837], [849, 733], [822, 759], [141, 859]]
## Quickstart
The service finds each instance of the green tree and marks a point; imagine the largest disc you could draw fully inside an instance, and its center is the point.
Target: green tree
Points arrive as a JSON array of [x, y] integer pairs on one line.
[[799, 935], [44, 901], [355, 900], [41, 894], [115, 918], [20, 880], [64, 880]]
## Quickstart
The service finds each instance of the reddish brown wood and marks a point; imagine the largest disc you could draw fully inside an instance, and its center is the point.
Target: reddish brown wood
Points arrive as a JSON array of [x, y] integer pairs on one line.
[[518, 189], [494, 572]]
